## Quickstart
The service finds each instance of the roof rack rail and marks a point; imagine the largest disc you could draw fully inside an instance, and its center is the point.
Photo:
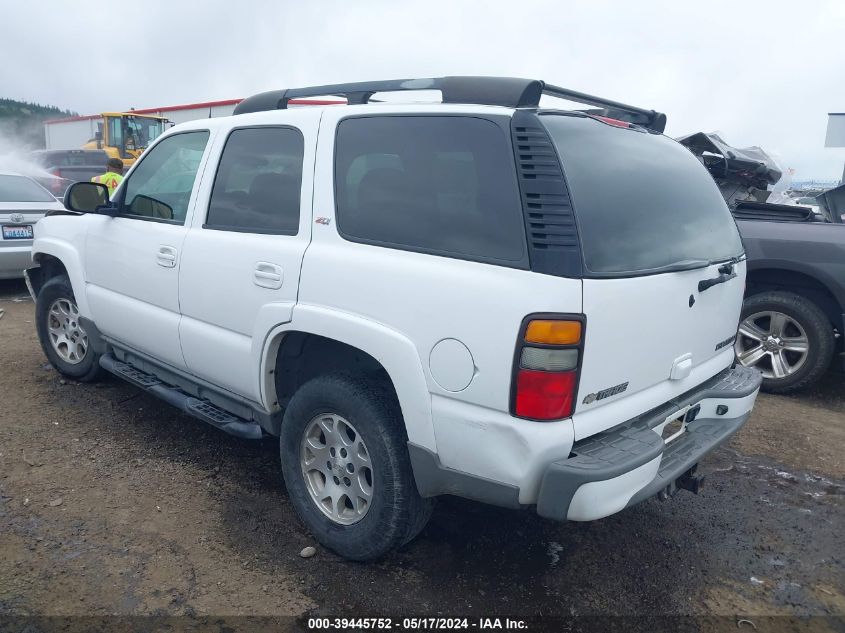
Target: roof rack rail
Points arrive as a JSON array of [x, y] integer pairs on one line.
[[510, 92]]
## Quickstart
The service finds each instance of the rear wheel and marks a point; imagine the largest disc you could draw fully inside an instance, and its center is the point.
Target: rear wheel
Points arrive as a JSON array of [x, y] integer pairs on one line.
[[60, 332], [787, 337], [346, 466]]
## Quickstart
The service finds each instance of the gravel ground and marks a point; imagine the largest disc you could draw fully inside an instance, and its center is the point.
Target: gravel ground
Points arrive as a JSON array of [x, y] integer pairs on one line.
[[113, 503]]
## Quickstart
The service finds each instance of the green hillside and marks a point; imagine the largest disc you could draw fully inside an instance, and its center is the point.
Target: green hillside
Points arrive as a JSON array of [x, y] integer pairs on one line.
[[22, 123]]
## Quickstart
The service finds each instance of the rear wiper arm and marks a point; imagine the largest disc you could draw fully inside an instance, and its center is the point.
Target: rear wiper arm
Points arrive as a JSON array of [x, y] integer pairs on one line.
[[684, 264]]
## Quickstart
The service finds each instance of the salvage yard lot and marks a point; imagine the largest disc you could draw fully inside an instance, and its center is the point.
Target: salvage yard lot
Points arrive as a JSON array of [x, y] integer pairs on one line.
[[113, 502]]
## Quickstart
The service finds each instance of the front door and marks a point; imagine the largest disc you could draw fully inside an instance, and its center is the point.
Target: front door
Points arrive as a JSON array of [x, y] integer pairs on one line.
[[132, 260], [240, 271]]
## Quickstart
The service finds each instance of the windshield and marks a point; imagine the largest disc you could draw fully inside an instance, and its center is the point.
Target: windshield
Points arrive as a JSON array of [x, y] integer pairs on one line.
[[143, 130], [22, 189], [642, 201]]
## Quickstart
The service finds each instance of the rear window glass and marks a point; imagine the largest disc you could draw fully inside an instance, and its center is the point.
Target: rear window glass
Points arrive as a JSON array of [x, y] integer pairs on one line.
[[642, 201], [22, 189], [443, 185]]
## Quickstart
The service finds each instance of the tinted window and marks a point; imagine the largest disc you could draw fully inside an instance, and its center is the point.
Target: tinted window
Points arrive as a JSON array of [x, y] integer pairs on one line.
[[22, 189], [258, 182], [161, 185], [445, 185], [642, 200]]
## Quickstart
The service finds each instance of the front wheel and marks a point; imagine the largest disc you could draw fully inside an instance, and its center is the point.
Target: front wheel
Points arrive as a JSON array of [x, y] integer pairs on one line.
[[60, 332], [787, 337], [346, 466]]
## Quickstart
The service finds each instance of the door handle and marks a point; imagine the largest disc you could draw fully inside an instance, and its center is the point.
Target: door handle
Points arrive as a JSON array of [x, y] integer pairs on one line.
[[267, 275], [166, 256]]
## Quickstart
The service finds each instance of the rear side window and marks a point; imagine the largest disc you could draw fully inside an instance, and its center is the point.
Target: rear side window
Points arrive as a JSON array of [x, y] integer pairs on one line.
[[258, 183], [442, 185], [642, 201]]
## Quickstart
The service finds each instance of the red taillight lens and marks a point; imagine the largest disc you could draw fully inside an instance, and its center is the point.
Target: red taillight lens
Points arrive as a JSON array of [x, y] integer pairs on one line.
[[544, 395], [613, 122], [546, 365]]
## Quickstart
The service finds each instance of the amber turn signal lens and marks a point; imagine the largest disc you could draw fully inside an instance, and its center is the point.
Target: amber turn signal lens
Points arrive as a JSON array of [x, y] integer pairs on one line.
[[553, 332]]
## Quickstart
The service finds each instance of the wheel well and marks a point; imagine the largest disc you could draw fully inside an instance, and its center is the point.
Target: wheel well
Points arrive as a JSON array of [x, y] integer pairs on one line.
[[810, 288], [303, 356], [48, 267]]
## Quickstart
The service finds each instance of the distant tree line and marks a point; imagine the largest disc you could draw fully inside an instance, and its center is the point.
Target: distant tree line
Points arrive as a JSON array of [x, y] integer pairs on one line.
[[22, 124]]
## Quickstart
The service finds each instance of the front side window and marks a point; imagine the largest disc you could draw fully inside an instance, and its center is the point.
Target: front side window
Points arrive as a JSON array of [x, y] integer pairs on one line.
[[160, 187], [258, 183], [438, 184], [142, 130]]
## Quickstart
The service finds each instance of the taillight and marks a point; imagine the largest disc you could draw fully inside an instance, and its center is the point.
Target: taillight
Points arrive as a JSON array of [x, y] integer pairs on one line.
[[548, 357], [613, 122]]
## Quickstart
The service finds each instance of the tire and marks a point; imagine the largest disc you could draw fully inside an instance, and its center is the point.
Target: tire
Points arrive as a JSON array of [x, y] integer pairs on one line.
[[80, 361], [334, 404], [804, 324]]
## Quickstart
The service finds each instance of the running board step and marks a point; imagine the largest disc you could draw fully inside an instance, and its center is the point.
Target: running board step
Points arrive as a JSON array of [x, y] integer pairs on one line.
[[200, 409]]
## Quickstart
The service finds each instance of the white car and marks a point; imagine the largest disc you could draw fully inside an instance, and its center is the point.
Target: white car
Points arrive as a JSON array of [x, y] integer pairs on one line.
[[23, 202], [480, 297]]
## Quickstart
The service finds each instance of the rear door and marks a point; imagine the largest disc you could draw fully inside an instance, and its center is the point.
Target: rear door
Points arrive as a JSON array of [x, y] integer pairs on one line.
[[242, 258], [652, 226]]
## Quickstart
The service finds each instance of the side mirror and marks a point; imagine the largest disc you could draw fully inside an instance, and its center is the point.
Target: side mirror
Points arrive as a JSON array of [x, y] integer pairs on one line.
[[86, 197]]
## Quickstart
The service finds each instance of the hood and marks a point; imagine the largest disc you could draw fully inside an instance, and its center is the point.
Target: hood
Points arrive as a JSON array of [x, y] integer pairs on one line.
[[741, 173]]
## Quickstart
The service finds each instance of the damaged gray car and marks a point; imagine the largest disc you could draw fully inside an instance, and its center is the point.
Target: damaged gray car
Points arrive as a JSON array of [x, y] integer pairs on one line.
[[794, 310]]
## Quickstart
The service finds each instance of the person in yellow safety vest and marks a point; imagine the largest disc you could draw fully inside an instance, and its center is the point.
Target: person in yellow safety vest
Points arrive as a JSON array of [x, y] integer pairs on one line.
[[113, 175]]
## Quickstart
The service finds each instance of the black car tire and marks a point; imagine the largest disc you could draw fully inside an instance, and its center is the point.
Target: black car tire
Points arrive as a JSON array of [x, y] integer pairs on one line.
[[88, 368], [397, 513], [817, 327]]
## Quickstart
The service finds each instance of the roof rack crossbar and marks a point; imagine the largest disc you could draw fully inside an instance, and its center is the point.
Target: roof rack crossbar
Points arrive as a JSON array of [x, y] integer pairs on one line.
[[647, 118], [508, 92]]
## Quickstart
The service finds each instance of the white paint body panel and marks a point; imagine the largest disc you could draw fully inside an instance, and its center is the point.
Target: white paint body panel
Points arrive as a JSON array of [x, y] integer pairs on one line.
[[207, 316], [637, 328], [598, 499], [220, 300]]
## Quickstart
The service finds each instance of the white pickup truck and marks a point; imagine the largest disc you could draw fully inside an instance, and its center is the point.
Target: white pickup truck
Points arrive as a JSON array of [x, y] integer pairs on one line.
[[480, 297]]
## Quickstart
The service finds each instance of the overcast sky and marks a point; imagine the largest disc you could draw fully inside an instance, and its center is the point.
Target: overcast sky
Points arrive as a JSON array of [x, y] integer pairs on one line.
[[762, 73]]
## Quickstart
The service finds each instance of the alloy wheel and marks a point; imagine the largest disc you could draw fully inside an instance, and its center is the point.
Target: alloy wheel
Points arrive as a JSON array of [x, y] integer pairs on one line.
[[67, 336], [337, 469], [773, 342]]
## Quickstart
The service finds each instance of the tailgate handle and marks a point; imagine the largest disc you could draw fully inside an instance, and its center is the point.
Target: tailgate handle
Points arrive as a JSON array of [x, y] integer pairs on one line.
[[704, 284], [681, 367]]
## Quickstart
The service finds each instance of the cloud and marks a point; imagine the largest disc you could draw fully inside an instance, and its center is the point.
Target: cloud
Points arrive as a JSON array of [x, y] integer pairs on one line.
[[760, 73]]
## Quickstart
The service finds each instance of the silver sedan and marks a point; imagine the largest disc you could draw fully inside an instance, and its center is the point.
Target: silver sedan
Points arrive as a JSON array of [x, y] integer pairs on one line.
[[22, 203]]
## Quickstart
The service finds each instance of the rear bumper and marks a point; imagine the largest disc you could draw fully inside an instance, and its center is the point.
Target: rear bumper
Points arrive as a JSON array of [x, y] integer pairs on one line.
[[630, 462], [13, 260]]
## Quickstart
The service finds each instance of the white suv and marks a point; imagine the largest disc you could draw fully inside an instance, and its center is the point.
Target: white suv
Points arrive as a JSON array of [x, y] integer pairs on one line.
[[479, 297]]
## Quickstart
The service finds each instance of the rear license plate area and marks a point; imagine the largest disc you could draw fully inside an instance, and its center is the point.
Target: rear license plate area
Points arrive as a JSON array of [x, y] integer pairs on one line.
[[675, 425], [17, 232]]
